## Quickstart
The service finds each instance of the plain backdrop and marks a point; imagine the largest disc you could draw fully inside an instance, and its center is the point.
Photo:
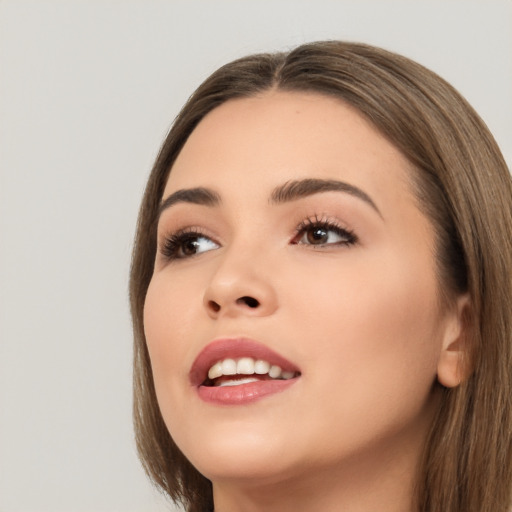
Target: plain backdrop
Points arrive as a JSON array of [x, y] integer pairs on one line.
[[88, 90]]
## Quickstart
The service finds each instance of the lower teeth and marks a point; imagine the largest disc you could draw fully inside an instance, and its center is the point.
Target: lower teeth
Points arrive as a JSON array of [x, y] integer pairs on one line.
[[237, 382]]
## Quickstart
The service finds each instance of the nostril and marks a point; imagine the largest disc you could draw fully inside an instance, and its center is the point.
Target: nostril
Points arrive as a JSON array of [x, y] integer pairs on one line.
[[214, 306], [249, 301]]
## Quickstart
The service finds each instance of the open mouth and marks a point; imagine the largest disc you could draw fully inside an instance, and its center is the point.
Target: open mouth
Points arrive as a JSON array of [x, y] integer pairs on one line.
[[245, 370], [238, 371]]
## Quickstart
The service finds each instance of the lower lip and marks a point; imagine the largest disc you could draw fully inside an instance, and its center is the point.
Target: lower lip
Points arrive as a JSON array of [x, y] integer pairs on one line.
[[244, 393]]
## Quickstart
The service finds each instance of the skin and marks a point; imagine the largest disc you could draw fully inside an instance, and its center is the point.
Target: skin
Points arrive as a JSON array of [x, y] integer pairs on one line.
[[363, 322]]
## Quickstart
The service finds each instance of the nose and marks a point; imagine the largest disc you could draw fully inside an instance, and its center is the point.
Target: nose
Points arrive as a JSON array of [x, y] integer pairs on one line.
[[240, 285]]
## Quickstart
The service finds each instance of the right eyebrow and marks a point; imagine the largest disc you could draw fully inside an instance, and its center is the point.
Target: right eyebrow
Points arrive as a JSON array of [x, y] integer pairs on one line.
[[199, 195]]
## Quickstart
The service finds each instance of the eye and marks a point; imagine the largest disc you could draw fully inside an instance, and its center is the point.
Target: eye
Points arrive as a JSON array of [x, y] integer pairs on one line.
[[321, 233], [185, 244]]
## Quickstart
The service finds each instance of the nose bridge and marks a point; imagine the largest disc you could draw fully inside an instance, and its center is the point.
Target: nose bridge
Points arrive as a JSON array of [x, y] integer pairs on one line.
[[241, 283]]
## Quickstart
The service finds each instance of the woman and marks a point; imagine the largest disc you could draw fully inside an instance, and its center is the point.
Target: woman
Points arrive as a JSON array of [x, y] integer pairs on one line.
[[321, 292]]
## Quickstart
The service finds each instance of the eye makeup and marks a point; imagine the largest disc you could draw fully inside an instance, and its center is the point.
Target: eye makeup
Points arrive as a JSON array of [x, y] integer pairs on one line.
[[321, 231], [317, 231], [186, 243]]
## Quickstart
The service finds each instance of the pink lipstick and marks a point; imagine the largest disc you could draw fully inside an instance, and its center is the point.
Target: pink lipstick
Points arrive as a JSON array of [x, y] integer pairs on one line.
[[239, 371]]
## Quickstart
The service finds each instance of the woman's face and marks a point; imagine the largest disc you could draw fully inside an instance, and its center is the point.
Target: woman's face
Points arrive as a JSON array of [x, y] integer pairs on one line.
[[289, 237]]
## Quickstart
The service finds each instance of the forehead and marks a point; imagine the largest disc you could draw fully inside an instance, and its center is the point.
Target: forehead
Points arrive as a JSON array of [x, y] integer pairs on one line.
[[256, 143]]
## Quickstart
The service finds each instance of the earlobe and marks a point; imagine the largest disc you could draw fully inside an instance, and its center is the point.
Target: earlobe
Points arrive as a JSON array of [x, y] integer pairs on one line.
[[454, 364]]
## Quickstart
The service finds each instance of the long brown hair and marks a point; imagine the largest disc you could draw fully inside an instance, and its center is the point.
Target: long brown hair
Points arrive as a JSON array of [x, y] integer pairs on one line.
[[462, 184]]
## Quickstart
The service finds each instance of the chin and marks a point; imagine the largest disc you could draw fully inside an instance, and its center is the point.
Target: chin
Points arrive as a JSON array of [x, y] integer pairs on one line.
[[239, 453], [250, 470]]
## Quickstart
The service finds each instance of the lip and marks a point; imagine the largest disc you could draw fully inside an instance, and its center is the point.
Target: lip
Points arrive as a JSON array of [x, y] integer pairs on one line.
[[235, 348]]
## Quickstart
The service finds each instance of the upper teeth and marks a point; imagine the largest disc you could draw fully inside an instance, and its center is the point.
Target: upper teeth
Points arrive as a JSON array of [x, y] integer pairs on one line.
[[247, 366]]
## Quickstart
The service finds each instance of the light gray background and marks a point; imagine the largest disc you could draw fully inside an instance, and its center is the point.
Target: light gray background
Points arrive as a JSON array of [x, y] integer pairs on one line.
[[88, 90]]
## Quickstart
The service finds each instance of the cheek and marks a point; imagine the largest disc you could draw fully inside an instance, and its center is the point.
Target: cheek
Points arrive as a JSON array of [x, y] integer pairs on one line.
[[372, 343], [172, 301], [373, 320], [167, 317], [168, 324]]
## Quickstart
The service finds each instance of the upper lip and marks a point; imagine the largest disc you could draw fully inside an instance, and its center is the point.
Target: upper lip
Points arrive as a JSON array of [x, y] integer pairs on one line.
[[234, 348]]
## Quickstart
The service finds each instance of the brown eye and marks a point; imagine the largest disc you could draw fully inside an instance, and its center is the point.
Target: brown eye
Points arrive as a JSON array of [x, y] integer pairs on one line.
[[323, 234], [317, 236], [186, 245], [189, 247]]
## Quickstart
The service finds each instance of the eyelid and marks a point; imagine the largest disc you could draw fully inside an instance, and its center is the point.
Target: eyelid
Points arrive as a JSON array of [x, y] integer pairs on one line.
[[169, 242], [329, 224], [170, 233], [172, 242]]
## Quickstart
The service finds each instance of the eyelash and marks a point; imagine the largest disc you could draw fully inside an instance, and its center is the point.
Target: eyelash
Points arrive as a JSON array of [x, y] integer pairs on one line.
[[173, 245], [318, 223]]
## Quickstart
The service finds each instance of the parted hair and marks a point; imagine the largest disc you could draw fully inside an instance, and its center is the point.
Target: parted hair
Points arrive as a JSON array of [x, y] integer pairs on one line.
[[462, 184]]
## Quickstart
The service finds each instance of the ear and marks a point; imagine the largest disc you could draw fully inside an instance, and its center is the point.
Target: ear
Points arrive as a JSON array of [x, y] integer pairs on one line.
[[454, 364]]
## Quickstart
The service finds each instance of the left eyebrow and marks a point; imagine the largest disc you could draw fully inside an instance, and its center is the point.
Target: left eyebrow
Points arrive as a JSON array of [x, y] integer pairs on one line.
[[297, 189]]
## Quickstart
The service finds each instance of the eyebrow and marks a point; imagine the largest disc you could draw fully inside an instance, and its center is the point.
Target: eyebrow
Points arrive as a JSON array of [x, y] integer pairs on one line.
[[293, 190], [289, 191], [199, 195]]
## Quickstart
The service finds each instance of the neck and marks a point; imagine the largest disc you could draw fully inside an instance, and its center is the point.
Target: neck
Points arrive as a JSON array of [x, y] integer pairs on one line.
[[365, 484]]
